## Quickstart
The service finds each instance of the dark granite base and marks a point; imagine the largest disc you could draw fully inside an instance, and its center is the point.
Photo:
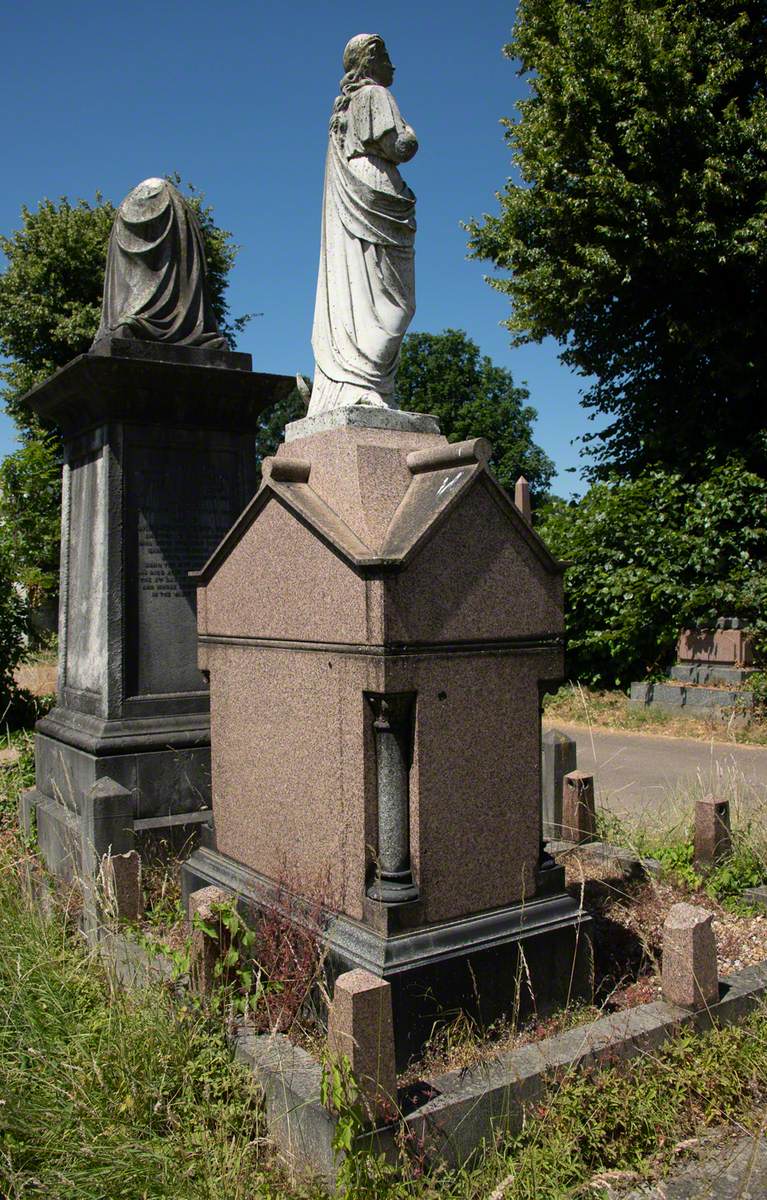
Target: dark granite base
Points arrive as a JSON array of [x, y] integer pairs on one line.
[[58, 836], [509, 962], [167, 767]]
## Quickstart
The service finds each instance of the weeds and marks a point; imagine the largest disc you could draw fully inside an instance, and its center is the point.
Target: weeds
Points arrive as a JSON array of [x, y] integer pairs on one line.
[[106, 1094], [612, 710]]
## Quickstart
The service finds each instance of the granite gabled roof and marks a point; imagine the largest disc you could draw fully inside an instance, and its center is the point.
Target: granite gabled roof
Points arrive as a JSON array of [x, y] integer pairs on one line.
[[440, 480]]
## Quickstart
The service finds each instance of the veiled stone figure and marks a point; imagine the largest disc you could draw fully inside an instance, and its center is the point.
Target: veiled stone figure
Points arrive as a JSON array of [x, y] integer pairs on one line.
[[366, 285], [155, 287]]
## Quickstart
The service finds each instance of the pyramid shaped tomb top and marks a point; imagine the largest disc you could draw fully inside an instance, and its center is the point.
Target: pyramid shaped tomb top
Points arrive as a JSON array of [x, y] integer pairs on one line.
[[372, 540], [361, 473]]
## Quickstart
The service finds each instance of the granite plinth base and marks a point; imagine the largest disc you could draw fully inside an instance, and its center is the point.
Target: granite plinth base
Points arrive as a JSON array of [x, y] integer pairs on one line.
[[163, 765], [697, 700], [712, 674], [512, 961], [58, 834]]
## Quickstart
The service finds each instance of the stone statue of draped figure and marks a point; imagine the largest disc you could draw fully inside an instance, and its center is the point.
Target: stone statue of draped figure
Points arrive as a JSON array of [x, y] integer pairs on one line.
[[366, 284], [155, 286]]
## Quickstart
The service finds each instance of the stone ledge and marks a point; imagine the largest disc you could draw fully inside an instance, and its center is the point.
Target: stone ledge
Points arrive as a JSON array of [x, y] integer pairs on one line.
[[361, 416], [469, 1106], [608, 853]]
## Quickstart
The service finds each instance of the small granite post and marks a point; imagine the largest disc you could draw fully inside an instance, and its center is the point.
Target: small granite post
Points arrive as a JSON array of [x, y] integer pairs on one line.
[[522, 498], [121, 880], [579, 821], [360, 1030], [205, 950], [559, 758], [689, 958], [713, 840]]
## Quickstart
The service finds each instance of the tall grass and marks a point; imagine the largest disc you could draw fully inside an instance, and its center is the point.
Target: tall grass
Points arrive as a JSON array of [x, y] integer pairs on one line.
[[104, 1094]]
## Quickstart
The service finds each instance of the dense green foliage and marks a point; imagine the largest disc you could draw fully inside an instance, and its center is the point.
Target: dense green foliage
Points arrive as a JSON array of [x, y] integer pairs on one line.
[[30, 495], [446, 374], [652, 555], [637, 235], [13, 627], [104, 1095]]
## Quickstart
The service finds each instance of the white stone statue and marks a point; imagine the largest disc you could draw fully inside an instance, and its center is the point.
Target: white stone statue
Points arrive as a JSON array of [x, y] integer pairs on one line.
[[366, 285]]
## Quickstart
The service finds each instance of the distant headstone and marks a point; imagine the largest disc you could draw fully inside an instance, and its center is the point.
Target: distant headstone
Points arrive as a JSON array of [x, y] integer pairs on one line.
[[360, 1030], [689, 958], [713, 840], [558, 758]]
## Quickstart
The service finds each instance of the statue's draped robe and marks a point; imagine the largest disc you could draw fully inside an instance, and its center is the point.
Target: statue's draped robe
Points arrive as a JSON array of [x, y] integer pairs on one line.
[[155, 285], [366, 284]]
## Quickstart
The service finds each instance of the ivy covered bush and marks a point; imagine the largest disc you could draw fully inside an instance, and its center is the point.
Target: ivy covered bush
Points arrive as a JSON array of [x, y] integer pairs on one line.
[[652, 555]]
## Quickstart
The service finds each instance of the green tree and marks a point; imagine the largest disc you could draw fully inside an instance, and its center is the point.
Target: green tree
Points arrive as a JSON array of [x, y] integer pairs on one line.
[[637, 233], [30, 493], [50, 304], [655, 554], [445, 374]]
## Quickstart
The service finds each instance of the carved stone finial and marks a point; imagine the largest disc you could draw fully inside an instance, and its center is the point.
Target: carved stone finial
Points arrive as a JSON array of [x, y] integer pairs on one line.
[[522, 498], [155, 287]]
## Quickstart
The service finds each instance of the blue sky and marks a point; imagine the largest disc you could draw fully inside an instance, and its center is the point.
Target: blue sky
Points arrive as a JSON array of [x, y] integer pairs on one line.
[[236, 98]]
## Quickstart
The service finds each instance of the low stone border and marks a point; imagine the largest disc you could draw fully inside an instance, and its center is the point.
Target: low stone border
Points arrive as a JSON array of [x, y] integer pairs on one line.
[[608, 853], [756, 896], [469, 1106], [462, 1108]]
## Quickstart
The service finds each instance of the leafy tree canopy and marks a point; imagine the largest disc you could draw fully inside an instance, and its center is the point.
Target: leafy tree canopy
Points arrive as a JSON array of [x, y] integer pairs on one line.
[[638, 235], [445, 374], [653, 555]]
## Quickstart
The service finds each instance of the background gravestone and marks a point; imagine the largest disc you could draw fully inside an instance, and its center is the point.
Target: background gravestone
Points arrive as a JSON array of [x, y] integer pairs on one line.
[[158, 462]]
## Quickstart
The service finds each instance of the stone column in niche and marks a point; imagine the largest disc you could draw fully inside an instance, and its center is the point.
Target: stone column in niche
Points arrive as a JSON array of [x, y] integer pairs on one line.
[[392, 728]]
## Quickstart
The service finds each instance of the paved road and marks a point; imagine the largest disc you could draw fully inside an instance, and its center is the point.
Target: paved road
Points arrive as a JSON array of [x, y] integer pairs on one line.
[[638, 775]]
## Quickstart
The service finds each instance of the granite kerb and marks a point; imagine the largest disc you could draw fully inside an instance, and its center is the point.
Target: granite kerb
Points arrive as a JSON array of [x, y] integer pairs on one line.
[[627, 859], [465, 1107], [470, 1106]]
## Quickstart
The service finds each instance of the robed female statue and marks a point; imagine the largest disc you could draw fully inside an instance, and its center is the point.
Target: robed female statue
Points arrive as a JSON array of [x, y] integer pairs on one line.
[[366, 285]]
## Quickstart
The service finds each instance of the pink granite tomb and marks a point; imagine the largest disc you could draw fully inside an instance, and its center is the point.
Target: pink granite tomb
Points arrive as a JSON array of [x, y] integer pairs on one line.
[[377, 628]]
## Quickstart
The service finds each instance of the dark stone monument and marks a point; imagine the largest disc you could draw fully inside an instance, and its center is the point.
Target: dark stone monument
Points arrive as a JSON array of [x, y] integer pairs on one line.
[[158, 462]]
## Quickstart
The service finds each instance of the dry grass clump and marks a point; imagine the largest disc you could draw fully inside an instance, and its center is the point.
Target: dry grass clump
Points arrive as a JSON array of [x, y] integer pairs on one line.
[[611, 710]]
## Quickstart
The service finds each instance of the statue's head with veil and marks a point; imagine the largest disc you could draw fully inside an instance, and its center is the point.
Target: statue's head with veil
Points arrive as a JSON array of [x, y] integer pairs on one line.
[[366, 284]]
